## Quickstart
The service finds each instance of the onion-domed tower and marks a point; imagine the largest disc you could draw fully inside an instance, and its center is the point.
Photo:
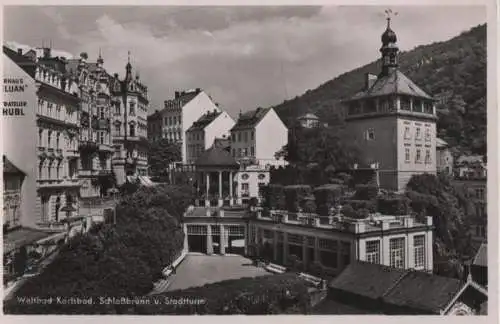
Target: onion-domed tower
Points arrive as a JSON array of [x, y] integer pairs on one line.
[[389, 50]]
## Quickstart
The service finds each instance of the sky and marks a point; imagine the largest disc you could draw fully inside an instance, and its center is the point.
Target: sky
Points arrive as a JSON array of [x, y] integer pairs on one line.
[[244, 56]]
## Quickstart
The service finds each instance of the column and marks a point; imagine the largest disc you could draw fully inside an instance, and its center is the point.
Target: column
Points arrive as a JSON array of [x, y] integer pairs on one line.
[[275, 245], [230, 188], [221, 201], [304, 251], [207, 199], [246, 238], [210, 247], [340, 264], [317, 254], [186, 244], [223, 240], [285, 247]]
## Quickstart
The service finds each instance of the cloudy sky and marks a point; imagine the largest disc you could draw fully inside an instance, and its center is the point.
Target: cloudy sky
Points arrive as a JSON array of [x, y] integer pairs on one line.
[[244, 57]]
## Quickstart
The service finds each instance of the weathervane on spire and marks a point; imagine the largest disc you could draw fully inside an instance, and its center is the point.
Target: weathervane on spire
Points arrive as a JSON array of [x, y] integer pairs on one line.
[[389, 13]]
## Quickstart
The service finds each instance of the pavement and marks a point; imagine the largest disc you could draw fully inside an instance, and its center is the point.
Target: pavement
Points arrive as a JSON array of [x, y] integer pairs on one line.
[[198, 270]]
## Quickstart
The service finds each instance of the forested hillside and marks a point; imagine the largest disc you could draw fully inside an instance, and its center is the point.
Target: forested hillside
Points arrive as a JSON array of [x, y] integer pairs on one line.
[[454, 70]]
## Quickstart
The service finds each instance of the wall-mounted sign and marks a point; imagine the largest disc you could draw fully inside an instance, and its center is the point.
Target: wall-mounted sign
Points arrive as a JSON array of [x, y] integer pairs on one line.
[[14, 105]]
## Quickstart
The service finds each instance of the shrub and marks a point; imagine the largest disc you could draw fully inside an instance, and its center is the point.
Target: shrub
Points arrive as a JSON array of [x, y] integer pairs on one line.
[[394, 206], [295, 195], [369, 205], [366, 192], [274, 196], [327, 196], [261, 295]]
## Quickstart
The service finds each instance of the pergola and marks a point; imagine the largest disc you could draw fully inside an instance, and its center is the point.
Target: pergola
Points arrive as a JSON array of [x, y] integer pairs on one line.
[[215, 171]]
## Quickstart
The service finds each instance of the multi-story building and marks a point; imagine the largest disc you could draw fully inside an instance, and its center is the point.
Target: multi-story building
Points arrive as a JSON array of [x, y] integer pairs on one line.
[[309, 120], [257, 136], [393, 121], [444, 157], [330, 242], [179, 114], [155, 126], [95, 140], [130, 102], [203, 132]]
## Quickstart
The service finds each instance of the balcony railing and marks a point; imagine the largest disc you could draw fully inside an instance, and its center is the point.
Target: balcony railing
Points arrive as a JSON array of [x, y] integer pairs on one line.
[[87, 146]]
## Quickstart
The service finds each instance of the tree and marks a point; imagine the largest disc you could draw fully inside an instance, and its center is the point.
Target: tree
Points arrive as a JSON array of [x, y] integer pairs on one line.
[[161, 153]]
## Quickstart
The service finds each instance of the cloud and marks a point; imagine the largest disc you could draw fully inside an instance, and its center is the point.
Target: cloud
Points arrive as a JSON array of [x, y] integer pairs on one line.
[[245, 56]]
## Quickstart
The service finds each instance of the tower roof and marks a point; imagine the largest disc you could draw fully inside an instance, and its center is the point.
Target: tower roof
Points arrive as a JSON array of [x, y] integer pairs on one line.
[[393, 83], [389, 36]]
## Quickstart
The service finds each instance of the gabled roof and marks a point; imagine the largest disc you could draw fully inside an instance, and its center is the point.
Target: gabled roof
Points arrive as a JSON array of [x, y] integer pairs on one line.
[[424, 291], [367, 279], [403, 288], [181, 101], [393, 83], [481, 258], [10, 168], [216, 157], [250, 119], [204, 121]]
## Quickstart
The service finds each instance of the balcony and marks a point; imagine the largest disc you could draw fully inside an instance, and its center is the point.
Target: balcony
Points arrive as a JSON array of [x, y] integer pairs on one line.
[[72, 153], [87, 173], [87, 146], [103, 124], [106, 148], [64, 182]]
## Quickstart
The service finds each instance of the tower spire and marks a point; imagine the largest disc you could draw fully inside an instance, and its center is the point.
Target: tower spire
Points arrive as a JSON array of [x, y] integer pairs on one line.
[[100, 61], [389, 48], [128, 68]]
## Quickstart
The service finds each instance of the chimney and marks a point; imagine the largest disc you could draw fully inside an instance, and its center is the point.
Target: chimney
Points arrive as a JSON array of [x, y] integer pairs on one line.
[[369, 80], [20, 51], [198, 90], [177, 94]]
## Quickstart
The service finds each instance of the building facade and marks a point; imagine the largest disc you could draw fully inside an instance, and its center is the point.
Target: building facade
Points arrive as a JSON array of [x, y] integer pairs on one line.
[[257, 136], [331, 243], [179, 114], [309, 120], [393, 121], [130, 102], [203, 132], [444, 157]]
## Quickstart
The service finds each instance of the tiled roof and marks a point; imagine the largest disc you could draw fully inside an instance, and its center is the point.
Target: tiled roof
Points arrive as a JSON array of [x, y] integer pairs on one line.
[[204, 121], [250, 119], [9, 167], [366, 279], [216, 157], [393, 83], [481, 258], [404, 288], [181, 101], [423, 291]]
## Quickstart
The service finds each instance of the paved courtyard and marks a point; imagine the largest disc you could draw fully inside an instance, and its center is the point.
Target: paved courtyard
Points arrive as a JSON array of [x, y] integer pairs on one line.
[[198, 270]]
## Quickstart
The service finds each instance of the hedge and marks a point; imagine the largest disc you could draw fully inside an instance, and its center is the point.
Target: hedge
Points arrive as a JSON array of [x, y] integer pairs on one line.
[[394, 206], [366, 192], [274, 294], [274, 196], [296, 196], [327, 196]]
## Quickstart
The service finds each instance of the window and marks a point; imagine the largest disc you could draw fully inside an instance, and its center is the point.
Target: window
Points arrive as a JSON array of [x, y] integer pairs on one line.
[[239, 137], [244, 186], [295, 239], [370, 106], [101, 137], [373, 252], [418, 156], [418, 134], [407, 154], [419, 251], [57, 140], [245, 136], [40, 137], [427, 134], [234, 152], [392, 58], [428, 108], [49, 139], [397, 252], [101, 112], [370, 134], [117, 130], [346, 253], [252, 151], [252, 135], [407, 133], [239, 152], [428, 156], [132, 108], [132, 130], [118, 108], [165, 121], [405, 103]]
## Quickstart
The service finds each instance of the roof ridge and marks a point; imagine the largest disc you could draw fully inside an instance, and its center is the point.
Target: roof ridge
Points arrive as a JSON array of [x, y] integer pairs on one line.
[[391, 288]]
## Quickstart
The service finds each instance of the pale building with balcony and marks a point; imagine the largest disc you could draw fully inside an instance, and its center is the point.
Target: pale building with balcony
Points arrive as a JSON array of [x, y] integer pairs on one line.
[[393, 121], [257, 136], [178, 116], [444, 157], [203, 132], [129, 127], [95, 144], [309, 120]]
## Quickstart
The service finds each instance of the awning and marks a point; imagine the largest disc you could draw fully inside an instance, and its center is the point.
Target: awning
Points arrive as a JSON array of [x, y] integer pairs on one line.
[[23, 236]]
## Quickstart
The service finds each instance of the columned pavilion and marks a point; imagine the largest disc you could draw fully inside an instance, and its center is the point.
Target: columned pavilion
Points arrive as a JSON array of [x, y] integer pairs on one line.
[[215, 174]]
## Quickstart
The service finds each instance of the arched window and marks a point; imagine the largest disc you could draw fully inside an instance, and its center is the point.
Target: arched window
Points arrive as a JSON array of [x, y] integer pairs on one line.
[[132, 130]]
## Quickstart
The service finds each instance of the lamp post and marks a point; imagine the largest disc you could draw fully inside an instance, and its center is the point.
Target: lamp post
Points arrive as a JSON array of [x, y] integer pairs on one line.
[[114, 191]]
